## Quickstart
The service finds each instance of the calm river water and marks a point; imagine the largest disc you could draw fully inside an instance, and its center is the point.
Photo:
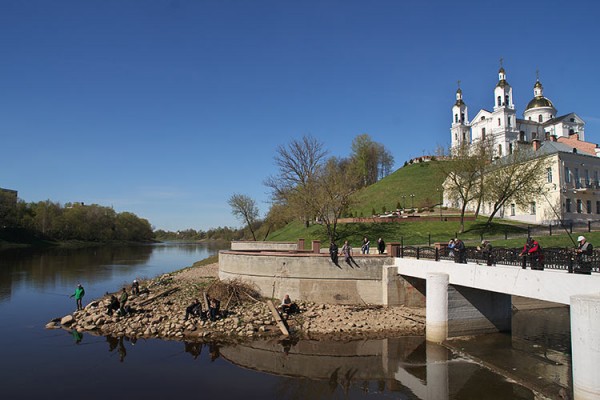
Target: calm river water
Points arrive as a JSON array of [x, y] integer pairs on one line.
[[51, 364]]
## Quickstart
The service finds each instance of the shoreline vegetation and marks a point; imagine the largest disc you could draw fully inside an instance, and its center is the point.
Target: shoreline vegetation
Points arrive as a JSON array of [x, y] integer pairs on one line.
[[158, 312]]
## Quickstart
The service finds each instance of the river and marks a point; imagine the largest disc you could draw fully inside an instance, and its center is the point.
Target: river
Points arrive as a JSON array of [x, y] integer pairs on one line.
[[38, 363]]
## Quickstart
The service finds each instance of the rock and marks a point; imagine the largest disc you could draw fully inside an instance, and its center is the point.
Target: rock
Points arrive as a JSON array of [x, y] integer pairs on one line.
[[51, 325], [67, 320]]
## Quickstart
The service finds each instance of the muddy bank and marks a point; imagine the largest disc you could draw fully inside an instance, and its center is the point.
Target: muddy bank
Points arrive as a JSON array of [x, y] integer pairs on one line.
[[158, 312]]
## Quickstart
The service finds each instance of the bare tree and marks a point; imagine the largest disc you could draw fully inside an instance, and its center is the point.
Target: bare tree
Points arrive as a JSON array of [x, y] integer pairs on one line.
[[336, 184], [244, 207], [516, 178], [298, 163], [464, 173]]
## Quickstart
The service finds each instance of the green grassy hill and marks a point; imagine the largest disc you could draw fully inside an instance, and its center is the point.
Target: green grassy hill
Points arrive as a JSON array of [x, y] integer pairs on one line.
[[422, 180]]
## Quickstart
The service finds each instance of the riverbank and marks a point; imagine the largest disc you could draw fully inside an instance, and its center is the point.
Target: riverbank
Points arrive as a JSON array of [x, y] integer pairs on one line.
[[159, 313]]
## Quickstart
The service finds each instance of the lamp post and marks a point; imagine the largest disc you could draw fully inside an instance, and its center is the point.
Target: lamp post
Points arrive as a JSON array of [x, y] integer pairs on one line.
[[412, 202], [441, 202]]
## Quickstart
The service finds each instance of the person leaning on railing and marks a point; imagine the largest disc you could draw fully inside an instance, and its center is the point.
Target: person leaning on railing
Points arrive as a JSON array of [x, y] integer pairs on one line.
[[584, 252], [533, 251]]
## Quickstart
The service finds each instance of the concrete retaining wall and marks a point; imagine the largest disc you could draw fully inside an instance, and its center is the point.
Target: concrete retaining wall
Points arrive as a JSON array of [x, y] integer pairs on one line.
[[371, 279]]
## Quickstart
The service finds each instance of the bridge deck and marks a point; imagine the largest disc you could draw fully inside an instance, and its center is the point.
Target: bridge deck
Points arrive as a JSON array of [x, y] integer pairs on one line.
[[548, 285]]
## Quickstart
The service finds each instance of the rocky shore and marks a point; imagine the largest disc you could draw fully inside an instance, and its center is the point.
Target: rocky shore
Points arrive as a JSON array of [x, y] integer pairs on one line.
[[159, 313]]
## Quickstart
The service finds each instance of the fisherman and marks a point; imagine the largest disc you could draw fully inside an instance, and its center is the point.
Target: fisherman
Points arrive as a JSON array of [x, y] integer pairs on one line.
[[486, 252], [124, 297], [585, 254], [79, 293], [533, 251], [113, 305], [194, 309], [135, 287]]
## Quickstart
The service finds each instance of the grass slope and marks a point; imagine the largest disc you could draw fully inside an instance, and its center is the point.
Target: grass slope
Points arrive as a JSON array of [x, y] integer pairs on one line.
[[423, 180]]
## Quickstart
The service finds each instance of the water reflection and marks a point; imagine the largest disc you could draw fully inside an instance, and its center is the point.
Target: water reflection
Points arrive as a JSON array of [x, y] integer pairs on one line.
[[45, 268]]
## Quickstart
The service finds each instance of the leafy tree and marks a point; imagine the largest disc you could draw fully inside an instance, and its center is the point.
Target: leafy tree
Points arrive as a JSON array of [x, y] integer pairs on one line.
[[371, 160], [244, 208]]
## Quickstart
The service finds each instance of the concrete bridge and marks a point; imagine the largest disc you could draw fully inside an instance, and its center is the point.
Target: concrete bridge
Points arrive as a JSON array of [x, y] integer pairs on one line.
[[467, 299]]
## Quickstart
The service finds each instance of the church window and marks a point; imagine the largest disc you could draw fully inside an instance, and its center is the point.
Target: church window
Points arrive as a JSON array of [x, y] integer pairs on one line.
[[510, 148], [455, 117], [464, 136], [588, 205], [456, 136], [499, 101], [500, 150], [579, 206], [506, 100], [571, 131], [532, 208], [540, 118], [567, 175], [530, 118], [522, 136], [483, 117], [499, 123], [512, 209], [508, 121], [568, 205], [572, 119], [462, 117], [482, 133]]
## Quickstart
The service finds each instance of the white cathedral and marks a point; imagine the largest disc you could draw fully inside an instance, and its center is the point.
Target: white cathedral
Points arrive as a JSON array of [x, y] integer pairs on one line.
[[572, 180]]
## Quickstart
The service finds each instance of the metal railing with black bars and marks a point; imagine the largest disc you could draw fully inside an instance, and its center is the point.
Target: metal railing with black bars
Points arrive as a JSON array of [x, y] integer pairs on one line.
[[550, 258]]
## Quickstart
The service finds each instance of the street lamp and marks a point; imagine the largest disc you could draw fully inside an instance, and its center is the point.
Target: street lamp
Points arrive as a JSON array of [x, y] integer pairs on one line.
[[412, 202], [441, 201]]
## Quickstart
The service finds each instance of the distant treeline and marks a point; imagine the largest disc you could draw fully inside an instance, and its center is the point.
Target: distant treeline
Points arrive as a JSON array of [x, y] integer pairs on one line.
[[224, 233], [76, 221]]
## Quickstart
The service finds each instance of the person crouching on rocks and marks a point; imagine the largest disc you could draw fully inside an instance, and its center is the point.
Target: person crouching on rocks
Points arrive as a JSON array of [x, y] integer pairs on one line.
[[113, 305], [214, 308], [194, 309]]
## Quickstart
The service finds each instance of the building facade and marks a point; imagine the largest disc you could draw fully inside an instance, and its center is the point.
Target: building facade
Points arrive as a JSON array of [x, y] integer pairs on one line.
[[572, 178]]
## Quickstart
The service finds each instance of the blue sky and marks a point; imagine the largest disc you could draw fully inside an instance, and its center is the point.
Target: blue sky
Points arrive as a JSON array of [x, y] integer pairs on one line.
[[167, 108]]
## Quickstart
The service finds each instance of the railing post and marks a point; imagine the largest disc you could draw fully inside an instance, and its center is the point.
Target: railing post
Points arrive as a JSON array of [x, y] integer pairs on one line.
[[570, 265], [418, 253], [524, 266], [550, 226], [437, 254], [589, 226], [571, 228], [429, 240], [505, 235]]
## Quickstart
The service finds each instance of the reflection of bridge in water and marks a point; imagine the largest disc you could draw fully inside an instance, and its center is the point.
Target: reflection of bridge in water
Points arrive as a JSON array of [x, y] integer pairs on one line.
[[407, 365], [470, 299]]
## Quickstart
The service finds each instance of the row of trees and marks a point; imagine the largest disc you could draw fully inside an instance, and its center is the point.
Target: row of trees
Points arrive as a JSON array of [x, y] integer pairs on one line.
[[475, 176], [309, 185], [220, 233], [75, 221]]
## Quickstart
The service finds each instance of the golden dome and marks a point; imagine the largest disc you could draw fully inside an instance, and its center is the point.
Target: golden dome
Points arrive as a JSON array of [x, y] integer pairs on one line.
[[539, 102]]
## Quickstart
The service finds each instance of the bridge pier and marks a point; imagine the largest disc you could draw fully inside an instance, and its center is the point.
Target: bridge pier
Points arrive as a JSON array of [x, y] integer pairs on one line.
[[585, 346], [436, 307], [453, 310]]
